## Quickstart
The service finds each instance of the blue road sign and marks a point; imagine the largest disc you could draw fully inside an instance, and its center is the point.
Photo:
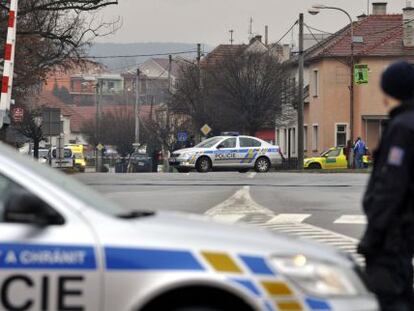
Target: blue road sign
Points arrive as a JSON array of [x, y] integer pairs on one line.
[[182, 136]]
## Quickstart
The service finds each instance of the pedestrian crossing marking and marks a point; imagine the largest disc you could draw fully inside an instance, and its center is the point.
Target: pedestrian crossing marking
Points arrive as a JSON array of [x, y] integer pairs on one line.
[[351, 219], [241, 208], [289, 218]]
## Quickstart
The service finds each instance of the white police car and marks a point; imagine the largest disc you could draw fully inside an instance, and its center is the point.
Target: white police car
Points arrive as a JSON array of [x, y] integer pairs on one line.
[[62, 247], [235, 152]]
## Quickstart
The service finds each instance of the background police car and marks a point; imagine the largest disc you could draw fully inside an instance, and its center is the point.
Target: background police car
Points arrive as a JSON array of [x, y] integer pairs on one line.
[[63, 247], [241, 153]]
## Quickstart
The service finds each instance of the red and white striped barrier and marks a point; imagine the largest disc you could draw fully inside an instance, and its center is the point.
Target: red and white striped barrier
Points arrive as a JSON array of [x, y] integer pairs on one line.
[[9, 54]]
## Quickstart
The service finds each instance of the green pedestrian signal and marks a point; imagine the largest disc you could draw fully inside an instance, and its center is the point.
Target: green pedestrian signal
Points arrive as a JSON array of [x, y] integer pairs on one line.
[[361, 74]]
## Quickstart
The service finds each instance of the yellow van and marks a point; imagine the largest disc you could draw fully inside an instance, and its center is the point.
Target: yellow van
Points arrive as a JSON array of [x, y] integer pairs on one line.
[[77, 150]]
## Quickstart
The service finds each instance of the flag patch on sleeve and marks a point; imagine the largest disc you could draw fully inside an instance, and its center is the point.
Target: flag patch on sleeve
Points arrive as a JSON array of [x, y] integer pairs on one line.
[[396, 156]]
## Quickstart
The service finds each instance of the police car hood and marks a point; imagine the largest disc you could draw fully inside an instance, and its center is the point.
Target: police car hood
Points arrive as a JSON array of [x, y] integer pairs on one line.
[[184, 231]]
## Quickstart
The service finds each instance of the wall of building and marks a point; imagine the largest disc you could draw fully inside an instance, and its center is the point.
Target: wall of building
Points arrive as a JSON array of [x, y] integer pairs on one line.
[[331, 105]]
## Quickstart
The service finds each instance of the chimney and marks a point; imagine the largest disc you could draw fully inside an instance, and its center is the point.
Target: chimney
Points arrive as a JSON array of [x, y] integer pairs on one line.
[[379, 8], [266, 35], [408, 25], [256, 38], [361, 17]]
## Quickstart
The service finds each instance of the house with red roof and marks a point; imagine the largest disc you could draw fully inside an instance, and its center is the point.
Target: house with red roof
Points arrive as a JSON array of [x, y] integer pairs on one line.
[[379, 40]]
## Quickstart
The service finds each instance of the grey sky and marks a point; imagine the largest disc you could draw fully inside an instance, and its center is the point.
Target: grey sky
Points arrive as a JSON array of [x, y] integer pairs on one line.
[[209, 21]]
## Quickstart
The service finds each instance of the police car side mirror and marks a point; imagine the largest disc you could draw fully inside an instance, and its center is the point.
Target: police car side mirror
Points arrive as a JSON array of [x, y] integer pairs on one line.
[[25, 208]]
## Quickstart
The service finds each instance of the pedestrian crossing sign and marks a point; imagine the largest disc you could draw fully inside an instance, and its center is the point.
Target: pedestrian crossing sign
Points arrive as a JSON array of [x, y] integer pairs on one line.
[[361, 74]]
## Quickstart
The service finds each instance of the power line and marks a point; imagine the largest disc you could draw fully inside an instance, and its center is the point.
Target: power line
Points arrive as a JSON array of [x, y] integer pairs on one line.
[[140, 55], [287, 32], [367, 34], [318, 30], [319, 43]]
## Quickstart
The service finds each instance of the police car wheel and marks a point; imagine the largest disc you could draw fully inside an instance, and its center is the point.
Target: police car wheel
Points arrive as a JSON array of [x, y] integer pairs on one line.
[[262, 165], [203, 165]]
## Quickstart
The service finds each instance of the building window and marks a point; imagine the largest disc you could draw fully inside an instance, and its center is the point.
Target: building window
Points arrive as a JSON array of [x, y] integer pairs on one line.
[[341, 131], [315, 83], [315, 138], [305, 138]]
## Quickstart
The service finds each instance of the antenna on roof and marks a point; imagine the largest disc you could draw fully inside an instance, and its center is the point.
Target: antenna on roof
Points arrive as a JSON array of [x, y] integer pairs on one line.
[[231, 36], [251, 28]]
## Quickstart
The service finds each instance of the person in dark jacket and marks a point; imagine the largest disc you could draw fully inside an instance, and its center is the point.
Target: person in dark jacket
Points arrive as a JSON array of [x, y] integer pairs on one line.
[[388, 242]]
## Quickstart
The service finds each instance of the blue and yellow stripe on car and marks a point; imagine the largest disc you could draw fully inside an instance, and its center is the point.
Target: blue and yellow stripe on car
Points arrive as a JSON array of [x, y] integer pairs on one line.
[[251, 274]]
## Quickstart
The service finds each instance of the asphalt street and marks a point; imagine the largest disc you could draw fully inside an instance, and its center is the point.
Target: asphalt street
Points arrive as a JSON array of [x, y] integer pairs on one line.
[[331, 202]]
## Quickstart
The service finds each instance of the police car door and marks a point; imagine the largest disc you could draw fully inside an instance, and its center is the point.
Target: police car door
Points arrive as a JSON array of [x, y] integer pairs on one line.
[[226, 152], [48, 260], [249, 151]]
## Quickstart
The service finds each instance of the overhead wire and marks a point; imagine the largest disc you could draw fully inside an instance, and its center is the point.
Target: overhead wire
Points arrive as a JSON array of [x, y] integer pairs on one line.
[[319, 42], [140, 55], [287, 32]]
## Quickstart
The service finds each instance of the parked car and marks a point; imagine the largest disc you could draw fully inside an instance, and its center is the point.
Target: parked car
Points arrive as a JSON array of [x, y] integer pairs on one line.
[[141, 163], [42, 156], [334, 158], [64, 247], [78, 154], [240, 153]]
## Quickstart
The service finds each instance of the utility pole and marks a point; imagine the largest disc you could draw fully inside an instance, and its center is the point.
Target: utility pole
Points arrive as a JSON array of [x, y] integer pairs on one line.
[[8, 70], [169, 73], [136, 107], [301, 146], [251, 28], [198, 54], [352, 84], [98, 158], [167, 120]]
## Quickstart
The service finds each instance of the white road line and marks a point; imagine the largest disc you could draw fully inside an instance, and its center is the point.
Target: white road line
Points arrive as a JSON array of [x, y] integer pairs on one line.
[[228, 219], [351, 220], [242, 208], [237, 206], [289, 218], [252, 175]]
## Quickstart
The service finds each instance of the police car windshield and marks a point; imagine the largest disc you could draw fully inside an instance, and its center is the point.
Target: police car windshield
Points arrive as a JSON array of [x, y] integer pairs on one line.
[[208, 143], [71, 186]]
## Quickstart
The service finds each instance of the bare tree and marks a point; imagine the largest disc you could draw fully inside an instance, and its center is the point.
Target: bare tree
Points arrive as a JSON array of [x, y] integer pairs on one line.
[[243, 92], [51, 33], [31, 127], [117, 129], [251, 84], [161, 127]]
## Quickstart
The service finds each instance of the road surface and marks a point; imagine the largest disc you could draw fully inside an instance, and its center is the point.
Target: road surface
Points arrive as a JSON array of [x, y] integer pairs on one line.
[[322, 207]]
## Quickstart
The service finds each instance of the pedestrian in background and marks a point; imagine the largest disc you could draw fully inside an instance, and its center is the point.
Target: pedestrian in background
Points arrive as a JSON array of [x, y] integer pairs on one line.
[[388, 242], [359, 152]]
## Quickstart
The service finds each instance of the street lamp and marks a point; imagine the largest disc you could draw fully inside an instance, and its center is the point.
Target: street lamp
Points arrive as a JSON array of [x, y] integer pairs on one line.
[[316, 10]]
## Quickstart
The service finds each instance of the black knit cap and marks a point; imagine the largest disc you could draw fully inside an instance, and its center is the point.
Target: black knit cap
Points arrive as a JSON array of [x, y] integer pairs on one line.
[[398, 81]]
